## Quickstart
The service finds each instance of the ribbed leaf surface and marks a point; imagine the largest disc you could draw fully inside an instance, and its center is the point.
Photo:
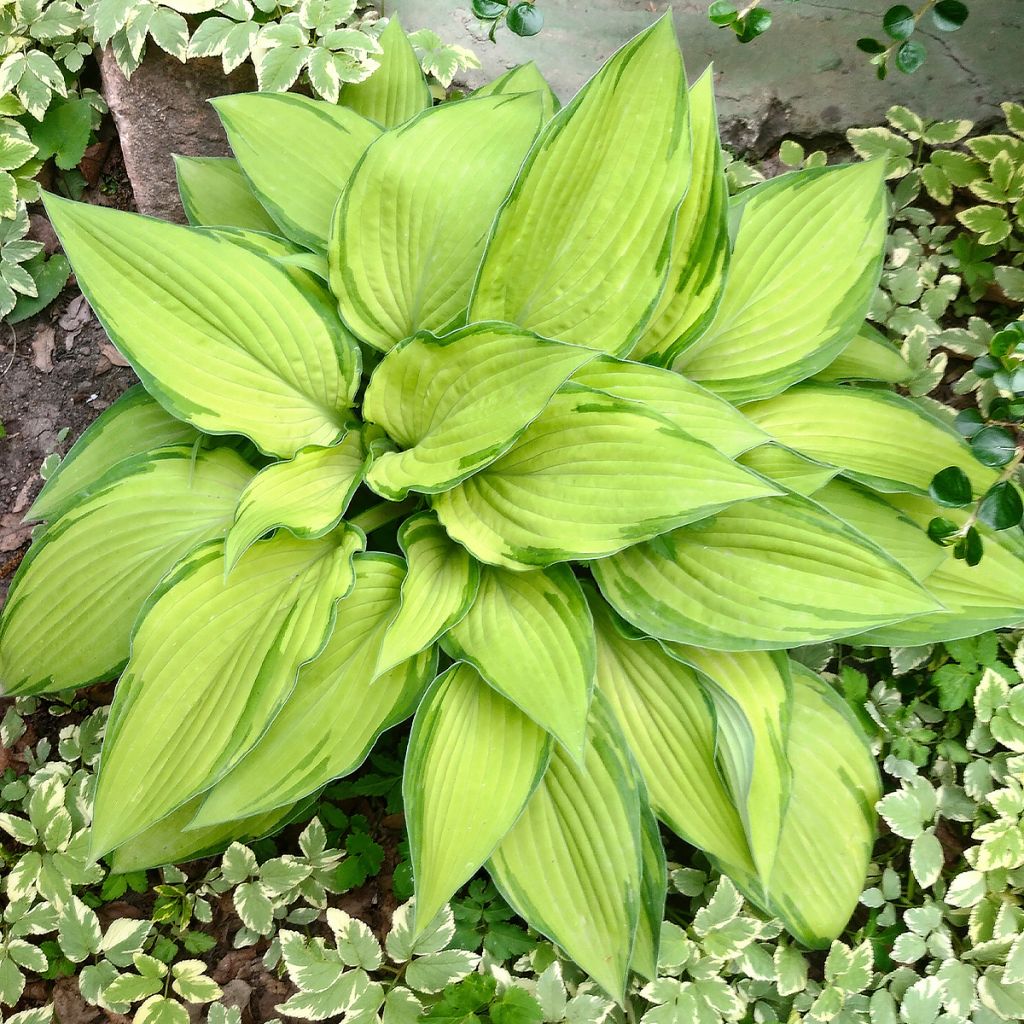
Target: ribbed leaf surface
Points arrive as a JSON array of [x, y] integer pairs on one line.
[[652, 897], [524, 78], [337, 710], [474, 759], [439, 588], [572, 865], [410, 229], [215, 193], [456, 403], [307, 495], [761, 576], [531, 637], [297, 154], [580, 249], [71, 607], [870, 356], [134, 424], [212, 663], [220, 336], [786, 467], [591, 475], [805, 263]]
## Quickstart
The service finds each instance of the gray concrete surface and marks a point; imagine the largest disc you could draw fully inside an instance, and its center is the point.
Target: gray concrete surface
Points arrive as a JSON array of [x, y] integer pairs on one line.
[[804, 78]]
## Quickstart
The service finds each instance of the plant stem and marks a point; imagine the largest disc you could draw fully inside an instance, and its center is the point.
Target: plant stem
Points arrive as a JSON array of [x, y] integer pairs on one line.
[[376, 516]]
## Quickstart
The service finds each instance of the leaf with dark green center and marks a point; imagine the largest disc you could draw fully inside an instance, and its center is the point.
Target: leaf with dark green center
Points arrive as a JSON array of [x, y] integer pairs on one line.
[[1001, 508]]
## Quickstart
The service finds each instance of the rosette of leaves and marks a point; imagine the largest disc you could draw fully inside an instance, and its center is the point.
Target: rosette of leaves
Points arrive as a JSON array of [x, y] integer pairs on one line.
[[499, 418]]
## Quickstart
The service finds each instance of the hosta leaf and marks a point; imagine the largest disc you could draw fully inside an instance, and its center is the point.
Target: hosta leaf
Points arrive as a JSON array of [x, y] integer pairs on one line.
[[397, 90], [531, 637], [578, 845], [654, 889], [829, 827], [977, 598], [670, 727], [410, 229], [869, 356], [184, 306], [297, 155], [71, 607], [134, 424], [752, 694], [212, 662], [307, 495], [337, 709], [784, 466], [772, 329], [474, 759], [690, 407], [456, 403], [579, 250], [762, 575], [439, 588], [877, 437], [215, 193], [524, 78], [700, 246], [547, 499], [884, 524], [167, 842]]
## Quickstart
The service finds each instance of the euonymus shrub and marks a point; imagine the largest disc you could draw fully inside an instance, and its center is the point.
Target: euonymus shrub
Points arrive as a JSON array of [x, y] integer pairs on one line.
[[509, 421]]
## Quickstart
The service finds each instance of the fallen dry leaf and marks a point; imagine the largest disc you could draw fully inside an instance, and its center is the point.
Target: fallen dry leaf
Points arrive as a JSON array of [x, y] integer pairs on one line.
[[42, 349], [113, 355]]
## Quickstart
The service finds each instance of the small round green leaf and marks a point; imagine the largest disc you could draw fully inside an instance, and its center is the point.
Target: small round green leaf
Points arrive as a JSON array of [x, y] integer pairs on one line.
[[1005, 341], [525, 20], [994, 446], [970, 548], [867, 44], [949, 15], [756, 23], [910, 56], [968, 422], [488, 9], [942, 530], [986, 366], [951, 487], [721, 12], [1001, 508], [898, 21]]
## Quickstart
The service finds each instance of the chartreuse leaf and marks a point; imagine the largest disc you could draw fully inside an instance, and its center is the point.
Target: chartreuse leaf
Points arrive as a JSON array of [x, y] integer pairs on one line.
[[580, 249], [670, 726], [752, 694], [215, 193], [307, 495], [977, 599], [410, 228], [397, 90], [762, 575], [829, 826], [652, 897], [884, 524], [547, 499], [870, 356], [439, 588], [474, 760], [824, 225], [578, 845], [786, 467], [456, 403], [544, 663], [167, 842], [690, 407], [337, 710], [70, 610], [287, 254], [876, 437], [221, 337], [297, 154], [700, 245], [134, 424], [212, 663], [524, 78]]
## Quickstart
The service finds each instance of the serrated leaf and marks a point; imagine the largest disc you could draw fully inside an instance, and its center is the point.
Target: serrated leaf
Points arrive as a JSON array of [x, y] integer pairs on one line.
[[78, 931]]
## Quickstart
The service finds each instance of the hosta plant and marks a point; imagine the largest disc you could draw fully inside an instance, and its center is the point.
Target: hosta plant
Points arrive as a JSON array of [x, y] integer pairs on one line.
[[502, 419]]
